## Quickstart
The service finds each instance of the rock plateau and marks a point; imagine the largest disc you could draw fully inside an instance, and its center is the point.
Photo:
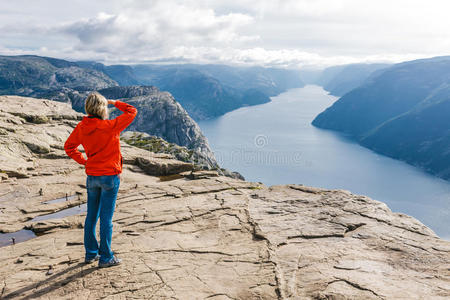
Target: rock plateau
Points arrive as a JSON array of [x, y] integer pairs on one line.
[[186, 234]]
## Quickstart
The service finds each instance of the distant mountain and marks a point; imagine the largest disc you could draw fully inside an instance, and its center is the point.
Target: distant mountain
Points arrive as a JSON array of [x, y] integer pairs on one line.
[[205, 91], [338, 80], [310, 76], [208, 91], [201, 95], [270, 81], [50, 78], [122, 74], [421, 136], [37, 76], [402, 112]]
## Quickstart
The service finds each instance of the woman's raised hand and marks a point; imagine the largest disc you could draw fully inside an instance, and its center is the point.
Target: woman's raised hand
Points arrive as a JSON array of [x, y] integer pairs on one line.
[[112, 102]]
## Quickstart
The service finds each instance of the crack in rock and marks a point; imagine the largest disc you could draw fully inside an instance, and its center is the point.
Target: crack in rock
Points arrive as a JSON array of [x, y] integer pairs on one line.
[[309, 237], [220, 294], [385, 222], [355, 285], [192, 251]]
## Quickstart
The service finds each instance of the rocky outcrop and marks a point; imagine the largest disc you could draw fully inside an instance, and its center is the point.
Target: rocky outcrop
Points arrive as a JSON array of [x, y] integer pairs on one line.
[[28, 128], [199, 235], [159, 114], [159, 145]]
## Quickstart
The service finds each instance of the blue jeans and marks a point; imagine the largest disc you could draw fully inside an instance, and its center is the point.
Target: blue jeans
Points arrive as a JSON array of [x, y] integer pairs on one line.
[[102, 195]]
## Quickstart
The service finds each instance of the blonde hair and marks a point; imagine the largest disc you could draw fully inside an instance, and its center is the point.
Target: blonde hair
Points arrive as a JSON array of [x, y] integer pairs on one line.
[[96, 105]]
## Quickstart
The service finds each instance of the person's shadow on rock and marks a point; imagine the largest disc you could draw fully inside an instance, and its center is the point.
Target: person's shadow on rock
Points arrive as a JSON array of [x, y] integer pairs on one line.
[[39, 292]]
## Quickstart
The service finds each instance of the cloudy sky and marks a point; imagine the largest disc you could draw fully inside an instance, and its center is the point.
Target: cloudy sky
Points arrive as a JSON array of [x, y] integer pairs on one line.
[[290, 33]]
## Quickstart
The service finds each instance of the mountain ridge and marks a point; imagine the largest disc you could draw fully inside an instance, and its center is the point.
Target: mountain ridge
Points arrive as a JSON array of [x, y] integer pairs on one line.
[[339, 80], [400, 112], [205, 91]]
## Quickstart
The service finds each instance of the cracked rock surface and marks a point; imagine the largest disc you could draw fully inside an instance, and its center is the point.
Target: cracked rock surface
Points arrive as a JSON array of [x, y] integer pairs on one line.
[[202, 235]]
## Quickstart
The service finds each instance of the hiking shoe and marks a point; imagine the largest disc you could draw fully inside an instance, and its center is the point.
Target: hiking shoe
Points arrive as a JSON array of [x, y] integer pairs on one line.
[[114, 261], [89, 261]]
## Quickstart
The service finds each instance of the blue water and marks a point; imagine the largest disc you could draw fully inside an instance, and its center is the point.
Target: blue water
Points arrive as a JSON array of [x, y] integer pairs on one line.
[[275, 143], [74, 210]]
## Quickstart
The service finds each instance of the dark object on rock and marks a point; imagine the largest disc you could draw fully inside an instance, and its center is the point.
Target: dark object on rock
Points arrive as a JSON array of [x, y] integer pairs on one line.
[[200, 174], [163, 167], [50, 270]]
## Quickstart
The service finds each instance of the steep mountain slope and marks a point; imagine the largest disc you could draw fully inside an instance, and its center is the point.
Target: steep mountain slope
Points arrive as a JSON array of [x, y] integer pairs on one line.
[[201, 95], [270, 81], [208, 91], [339, 80], [390, 93], [401, 112], [420, 137]]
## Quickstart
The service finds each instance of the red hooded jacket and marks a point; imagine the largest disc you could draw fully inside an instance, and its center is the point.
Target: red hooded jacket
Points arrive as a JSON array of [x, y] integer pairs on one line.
[[100, 140]]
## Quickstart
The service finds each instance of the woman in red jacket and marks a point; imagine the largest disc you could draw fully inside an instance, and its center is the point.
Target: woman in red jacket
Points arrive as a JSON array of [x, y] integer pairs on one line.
[[100, 139]]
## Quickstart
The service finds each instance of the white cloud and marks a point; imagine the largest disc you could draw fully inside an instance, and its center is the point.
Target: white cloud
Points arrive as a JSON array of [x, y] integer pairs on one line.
[[284, 58], [157, 29], [268, 32]]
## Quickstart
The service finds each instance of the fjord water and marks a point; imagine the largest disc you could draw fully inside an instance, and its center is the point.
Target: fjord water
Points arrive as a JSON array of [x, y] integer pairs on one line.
[[275, 143]]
